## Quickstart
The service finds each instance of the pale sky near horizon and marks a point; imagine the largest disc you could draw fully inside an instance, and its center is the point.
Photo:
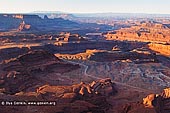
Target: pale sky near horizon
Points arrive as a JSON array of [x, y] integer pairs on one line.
[[86, 6]]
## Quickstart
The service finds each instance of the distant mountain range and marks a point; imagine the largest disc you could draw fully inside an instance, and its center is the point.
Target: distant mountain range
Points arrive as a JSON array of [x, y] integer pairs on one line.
[[56, 12], [109, 14]]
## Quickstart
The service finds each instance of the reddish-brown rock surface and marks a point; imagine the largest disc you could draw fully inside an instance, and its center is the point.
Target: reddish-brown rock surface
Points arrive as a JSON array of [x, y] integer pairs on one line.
[[27, 70], [101, 96], [145, 32], [81, 83], [79, 98], [160, 48]]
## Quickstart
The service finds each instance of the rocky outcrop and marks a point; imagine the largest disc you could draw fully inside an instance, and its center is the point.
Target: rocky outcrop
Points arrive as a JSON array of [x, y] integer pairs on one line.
[[160, 102], [80, 56], [24, 27], [161, 48], [166, 93], [101, 87], [153, 103], [148, 100], [19, 16], [67, 37], [93, 94]]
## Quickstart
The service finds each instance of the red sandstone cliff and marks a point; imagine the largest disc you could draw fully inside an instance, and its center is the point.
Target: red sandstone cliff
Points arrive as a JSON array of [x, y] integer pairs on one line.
[[145, 32]]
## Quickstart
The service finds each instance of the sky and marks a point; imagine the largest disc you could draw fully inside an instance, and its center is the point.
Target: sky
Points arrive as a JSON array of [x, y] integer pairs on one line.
[[86, 6]]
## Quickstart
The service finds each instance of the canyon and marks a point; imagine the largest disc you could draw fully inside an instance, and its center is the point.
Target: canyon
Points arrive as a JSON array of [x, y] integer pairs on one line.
[[66, 64]]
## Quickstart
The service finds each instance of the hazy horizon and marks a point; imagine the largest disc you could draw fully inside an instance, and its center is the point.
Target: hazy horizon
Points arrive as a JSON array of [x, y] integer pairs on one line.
[[79, 6]]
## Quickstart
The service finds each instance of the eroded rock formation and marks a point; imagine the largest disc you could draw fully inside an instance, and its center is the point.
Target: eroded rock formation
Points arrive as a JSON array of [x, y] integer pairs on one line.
[[24, 72], [78, 98], [145, 32], [160, 102], [101, 87], [24, 27], [153, 103], [80, 56], [161, 48]]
